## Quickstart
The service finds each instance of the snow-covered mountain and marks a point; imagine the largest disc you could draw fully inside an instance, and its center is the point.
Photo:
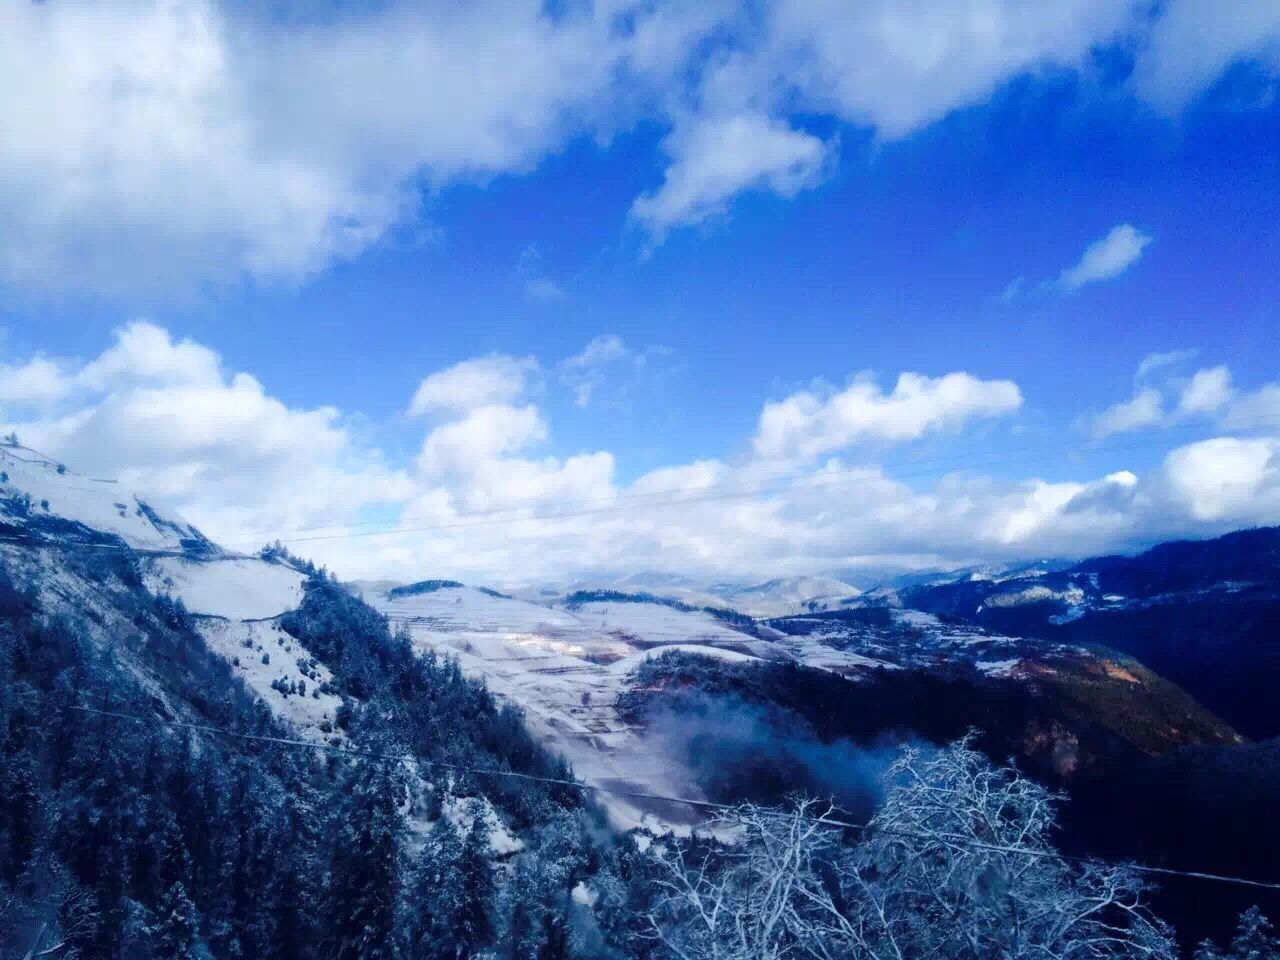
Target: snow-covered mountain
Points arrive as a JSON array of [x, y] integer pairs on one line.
[[789, 595], [567, 664], [566, 667], [50, 514], [773, 598], [41, 499]]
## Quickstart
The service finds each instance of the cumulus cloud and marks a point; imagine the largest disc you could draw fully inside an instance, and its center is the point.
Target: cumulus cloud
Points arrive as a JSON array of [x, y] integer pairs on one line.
[[1165, 398], [1194, 42], [166, 418], [1144, 409], [169, 144], [1227, 478], [715, 159], [1106, 259], [1259, 408], [160, 146], [484, 434], [1208, 391], [488, 498], [809, 423], [38, 381], [495, 379]]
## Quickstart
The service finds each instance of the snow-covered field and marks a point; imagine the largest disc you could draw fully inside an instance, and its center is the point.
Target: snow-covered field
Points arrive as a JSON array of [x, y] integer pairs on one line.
[[565, 669], [789, 596], [237, 588]]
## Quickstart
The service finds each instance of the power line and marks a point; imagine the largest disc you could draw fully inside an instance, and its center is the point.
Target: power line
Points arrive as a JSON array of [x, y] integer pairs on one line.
[[689, 801]]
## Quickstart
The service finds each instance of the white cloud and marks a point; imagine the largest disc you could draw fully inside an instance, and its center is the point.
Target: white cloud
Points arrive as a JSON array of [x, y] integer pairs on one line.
[[607, 365], [167, 417], [495, 379], [1194, 42], [1144, 409], [537, 286], [1208, 391], [36, 382], [1227, 478], [898, 67], [807, 423], [159, 146], [1106, 258], [1259, 408], [1154, 362], [585, 372], [162, 144], [715, 159], [1207, 396], [484, 434]]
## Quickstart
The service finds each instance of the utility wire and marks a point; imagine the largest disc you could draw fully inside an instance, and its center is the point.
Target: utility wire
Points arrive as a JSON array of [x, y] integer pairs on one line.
[[957, 840]]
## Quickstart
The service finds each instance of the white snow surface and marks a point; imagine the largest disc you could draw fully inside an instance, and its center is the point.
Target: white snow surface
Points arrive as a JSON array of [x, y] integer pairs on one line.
[[1000, 668], [774, 598], [788, 596], [243, 644], [237, 588], [565, 669], [100, 504]]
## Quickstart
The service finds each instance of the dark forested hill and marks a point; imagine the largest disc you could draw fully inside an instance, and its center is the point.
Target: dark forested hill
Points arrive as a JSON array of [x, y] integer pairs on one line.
[[1204, 614]]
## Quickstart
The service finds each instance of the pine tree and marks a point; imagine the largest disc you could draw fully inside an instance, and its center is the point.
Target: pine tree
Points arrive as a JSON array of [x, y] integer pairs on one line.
[[452, 893], [477, 884], [175, 933], [367, 865]]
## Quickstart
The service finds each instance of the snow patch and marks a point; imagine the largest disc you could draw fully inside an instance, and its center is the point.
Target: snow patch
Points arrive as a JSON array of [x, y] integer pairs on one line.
[[234, 588], [244, 644]]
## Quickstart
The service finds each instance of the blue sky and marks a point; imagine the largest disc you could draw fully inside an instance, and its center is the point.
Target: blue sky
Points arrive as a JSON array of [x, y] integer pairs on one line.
[[790, 205]]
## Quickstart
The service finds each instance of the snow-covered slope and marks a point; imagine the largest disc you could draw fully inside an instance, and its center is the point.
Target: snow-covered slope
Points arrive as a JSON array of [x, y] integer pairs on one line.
[[790, 595], [41, 499], [53, 520], [234, 588], [774, 598], [565, 668], [236, 603]]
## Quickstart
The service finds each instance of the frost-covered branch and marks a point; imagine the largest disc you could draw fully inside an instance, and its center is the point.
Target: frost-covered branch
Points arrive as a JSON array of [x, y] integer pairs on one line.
[[958, 864]]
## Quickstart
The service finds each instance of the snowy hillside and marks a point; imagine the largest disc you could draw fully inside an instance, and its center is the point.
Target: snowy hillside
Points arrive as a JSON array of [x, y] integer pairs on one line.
[[790, 595], [38, 497], [566, 669], [50, 514], [568, 666], [773, 598], [235, 588]]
